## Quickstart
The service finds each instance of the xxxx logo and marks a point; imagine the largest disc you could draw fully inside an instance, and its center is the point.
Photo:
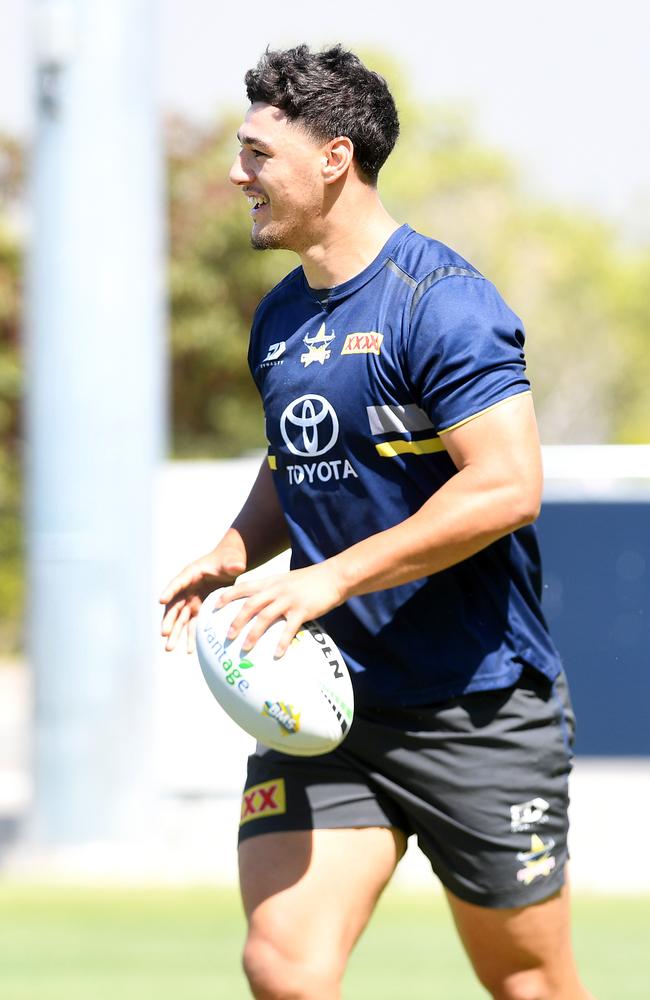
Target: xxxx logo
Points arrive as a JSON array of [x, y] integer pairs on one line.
[[267, 799], [363, 343]]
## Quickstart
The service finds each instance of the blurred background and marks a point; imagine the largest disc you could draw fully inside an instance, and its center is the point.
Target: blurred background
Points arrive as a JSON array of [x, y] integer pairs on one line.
[[130, 428]]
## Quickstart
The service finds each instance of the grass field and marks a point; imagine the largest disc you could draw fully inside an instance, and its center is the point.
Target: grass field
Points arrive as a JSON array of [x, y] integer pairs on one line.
[[92, 944]]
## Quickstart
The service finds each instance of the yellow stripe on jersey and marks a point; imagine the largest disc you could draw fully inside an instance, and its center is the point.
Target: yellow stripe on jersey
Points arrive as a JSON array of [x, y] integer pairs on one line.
[[389, 449], [273, 462], [526, 392]]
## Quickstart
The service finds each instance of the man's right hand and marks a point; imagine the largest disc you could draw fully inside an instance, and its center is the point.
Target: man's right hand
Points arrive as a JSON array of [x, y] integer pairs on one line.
[[184, 594]]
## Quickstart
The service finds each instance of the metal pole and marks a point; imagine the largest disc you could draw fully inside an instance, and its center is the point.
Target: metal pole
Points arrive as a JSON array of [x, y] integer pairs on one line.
[[95, 414]]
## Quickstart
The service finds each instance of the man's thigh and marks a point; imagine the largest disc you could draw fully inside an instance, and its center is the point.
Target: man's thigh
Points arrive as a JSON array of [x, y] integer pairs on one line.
[[523, 951], [309, 894]]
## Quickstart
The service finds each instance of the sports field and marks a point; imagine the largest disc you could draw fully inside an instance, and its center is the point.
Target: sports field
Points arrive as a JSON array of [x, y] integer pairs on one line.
[[108, 944]]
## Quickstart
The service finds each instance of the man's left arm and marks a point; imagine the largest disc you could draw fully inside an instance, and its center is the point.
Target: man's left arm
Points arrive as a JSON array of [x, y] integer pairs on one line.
[[496, 489]]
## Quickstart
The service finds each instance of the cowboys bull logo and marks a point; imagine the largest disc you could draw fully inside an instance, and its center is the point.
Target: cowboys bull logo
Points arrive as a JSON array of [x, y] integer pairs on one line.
[[317, 347], [538, 861]]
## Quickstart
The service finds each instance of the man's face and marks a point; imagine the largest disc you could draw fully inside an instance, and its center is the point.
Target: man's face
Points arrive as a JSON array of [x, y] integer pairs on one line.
[[279, 168]]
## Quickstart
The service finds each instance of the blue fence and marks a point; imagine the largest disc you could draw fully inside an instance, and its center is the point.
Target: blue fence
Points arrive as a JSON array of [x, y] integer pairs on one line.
[[596, 558]]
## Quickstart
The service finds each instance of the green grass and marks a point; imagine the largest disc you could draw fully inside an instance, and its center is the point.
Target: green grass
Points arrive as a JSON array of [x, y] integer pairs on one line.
[[109, 944]]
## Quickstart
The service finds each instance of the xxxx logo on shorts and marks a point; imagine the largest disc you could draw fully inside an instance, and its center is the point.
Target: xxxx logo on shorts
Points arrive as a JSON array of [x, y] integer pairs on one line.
[[363, 343], [267, 799]]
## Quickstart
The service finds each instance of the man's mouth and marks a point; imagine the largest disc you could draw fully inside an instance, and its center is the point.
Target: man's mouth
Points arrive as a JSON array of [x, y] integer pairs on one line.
[[256, 202]]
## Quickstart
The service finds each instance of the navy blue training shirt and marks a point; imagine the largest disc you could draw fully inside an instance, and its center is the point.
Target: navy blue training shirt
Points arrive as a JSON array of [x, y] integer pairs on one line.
[[358, 383]]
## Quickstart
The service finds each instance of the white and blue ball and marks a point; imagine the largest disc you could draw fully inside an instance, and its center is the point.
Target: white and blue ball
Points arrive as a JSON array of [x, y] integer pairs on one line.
[[301, 703]]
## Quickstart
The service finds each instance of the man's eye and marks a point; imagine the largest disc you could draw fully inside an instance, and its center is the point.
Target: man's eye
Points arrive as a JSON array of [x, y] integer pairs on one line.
[[258, 152]]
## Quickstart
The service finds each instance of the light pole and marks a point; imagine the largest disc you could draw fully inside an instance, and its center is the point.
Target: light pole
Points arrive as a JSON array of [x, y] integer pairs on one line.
[[95, 413]]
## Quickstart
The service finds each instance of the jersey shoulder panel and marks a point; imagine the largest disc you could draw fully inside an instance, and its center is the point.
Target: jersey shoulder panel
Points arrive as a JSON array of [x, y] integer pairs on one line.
[[421, 257], [465, 347]]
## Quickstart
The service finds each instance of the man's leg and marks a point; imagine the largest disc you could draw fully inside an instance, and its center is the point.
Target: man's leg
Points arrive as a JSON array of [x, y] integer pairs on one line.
[[523, 953], [307, 897]]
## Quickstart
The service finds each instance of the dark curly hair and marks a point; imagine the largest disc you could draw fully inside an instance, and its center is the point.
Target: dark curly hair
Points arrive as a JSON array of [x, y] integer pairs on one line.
[[330, 93]]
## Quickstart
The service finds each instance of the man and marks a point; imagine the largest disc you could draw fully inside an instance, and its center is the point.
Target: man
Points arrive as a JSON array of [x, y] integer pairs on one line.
[[404, 471]]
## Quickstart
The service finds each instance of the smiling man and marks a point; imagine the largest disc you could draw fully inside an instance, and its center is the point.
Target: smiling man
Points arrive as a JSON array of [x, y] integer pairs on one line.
[[404, 472]]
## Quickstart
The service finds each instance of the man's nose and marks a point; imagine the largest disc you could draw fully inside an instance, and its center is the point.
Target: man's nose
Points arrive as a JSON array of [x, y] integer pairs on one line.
[[238, 174]]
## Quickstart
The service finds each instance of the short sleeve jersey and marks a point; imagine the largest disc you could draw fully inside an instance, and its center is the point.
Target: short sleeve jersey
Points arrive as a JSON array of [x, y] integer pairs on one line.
[[359, 383]]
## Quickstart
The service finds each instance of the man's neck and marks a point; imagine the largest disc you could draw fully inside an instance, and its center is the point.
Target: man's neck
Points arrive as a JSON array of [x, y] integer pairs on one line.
[[348, 245]]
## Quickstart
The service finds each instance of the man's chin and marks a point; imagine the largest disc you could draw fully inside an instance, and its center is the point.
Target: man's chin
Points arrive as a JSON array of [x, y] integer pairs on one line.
[[265, 238], [261, 242]]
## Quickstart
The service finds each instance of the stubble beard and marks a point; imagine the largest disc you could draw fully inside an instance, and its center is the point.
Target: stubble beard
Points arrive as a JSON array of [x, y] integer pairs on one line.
[[278, 236], [268, 241]]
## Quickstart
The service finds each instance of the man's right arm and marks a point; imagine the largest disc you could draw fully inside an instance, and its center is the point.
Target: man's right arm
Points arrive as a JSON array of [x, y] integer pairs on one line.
[[258, 533]]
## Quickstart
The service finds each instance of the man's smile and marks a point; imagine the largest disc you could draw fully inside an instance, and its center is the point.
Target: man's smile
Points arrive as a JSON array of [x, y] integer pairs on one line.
[[256, 201]]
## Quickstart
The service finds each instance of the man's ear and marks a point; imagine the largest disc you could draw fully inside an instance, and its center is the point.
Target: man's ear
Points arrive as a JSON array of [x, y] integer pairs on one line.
[[337, 158]]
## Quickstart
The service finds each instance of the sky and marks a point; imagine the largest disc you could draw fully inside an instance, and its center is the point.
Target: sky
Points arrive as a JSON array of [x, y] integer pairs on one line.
[[563, 86]]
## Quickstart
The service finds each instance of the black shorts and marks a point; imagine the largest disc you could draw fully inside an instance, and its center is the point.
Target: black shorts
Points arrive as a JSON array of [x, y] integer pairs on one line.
[[481, 780]]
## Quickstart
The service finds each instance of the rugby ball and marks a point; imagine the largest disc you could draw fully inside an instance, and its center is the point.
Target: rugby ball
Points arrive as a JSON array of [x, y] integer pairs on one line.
[[300, 703]]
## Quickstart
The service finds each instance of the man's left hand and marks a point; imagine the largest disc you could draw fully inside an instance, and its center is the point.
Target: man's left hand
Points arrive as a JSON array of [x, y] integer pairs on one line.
[[297, 597]]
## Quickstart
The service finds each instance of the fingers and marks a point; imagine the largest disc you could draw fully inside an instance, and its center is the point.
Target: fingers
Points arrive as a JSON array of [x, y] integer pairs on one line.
[[180, 615], [263, 621], [267, 603], [182, 619], [294, 624], [183, 595], [181, 582], [241, 589], [208, 568], [169, 618], [191, 635], [262, 610], [172, 613], [295, 597], [260, 624]]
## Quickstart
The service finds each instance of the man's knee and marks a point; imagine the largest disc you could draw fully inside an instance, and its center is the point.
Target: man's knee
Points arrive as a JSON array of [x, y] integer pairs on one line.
[[275, 975], [527, 984]]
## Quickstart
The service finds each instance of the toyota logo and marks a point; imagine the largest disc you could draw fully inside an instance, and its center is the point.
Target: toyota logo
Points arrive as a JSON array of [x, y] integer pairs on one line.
[[312, 424]]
